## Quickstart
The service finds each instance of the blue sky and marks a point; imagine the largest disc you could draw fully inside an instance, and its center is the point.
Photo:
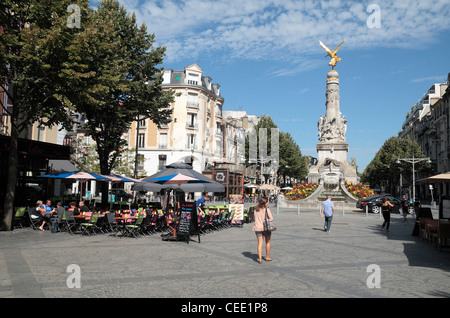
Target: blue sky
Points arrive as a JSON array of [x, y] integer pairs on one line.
[[266, 56]]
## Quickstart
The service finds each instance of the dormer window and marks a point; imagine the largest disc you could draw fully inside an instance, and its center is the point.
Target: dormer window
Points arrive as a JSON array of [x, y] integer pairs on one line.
[[193, 79]]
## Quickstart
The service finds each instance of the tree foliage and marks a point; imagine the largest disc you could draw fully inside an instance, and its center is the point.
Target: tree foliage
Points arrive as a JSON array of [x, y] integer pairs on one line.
[[33, 41], [113, 75], [106, 69], [113, 65], [291, 162], [384, 166]]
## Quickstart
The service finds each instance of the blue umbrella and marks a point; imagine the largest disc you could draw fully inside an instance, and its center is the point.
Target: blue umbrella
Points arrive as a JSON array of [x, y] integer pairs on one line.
[[172, 169], [77, 175], [119, 178], [81, 176], [178, 178]]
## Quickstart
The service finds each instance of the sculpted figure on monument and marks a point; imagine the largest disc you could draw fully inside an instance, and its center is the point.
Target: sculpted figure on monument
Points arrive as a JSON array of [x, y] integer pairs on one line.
[[332, 130], [332, 54]]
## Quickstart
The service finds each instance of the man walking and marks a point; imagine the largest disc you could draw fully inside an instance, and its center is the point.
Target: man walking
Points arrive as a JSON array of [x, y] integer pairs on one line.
[[327, 211]]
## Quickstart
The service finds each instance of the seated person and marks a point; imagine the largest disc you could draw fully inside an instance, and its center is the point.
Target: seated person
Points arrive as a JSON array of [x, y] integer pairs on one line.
[[60, 210], [73, 208], [36, 213], [46, 211], [82, 207]]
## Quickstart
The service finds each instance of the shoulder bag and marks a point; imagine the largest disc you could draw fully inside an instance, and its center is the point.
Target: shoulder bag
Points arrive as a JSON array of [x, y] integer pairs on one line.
[[268, 224]]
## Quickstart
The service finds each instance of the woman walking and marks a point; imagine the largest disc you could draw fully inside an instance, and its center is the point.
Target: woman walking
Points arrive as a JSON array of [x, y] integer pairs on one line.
[[385, 207], [262, 212]]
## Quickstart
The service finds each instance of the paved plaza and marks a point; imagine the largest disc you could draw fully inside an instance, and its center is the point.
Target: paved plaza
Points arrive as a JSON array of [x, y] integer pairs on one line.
[[348, 262]]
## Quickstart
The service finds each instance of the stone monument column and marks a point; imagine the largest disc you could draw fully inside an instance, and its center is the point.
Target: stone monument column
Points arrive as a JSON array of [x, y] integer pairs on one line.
[[332, 95], [332, 168], [332, 128]]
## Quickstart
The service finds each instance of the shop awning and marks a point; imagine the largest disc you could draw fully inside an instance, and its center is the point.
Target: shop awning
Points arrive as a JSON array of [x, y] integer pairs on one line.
[[61, 166]]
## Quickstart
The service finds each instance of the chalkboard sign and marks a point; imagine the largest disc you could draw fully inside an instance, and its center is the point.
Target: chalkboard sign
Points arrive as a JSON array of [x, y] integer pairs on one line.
[[188, 221]]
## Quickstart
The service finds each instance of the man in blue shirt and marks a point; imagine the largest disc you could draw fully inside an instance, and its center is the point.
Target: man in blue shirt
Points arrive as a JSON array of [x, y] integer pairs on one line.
[[327, 211], [200, 202]]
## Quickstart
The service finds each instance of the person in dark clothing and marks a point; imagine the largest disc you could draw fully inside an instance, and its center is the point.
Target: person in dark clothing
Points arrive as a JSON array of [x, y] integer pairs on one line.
[[83, 207], [385, 208], [404, 206]]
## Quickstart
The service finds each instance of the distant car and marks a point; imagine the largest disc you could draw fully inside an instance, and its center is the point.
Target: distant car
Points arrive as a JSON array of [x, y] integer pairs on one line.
[[374, 203], [121, 194]]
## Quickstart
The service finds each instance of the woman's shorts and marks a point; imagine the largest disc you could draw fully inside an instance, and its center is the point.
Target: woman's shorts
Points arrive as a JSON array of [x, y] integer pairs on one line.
[[263, 233]]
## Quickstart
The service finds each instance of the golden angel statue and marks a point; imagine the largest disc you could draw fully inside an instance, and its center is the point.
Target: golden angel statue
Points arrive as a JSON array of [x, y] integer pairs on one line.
[[332, 54]]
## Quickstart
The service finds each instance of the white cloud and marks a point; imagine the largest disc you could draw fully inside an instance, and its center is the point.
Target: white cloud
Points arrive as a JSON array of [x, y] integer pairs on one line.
[[285, 30], [435, 79]]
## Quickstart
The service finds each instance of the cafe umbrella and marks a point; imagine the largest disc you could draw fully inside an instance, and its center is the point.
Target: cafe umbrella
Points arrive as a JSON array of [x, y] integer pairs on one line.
[[81, 176], [173, 169], [176, 179]]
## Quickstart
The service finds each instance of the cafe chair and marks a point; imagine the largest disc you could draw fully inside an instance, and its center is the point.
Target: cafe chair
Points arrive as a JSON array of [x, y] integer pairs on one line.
[[111, 224], [230, 218], [91, 226], [34, 223], [68, 222], [149, 223], [19, 216], [134, 229]]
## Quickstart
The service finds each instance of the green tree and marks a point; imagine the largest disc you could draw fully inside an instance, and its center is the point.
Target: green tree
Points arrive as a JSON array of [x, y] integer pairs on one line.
[[33, 41], [113, 65], [292, 163], [384, 169]]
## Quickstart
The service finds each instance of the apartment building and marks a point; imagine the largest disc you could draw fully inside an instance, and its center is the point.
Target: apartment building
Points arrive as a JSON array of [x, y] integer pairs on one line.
[[196, 131], [428, 123]]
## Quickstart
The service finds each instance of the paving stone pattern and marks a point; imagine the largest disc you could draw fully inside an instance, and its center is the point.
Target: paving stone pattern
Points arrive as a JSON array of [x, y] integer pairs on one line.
[[307, 262]]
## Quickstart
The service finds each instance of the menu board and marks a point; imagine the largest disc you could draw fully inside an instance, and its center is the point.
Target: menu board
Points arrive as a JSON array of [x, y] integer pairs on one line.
[[184, 226], [238, 212], [188, 221]]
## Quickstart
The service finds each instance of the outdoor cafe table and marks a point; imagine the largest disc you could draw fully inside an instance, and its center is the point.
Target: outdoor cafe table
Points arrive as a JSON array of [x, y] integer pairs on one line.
[[80, 219], [122, 223]]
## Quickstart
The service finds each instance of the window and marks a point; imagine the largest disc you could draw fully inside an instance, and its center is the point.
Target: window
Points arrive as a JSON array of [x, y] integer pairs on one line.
[[192, 100], [190, 141], [219, 128], [141, 140], [162, 162], [40, 136], [218, 150], [193, 79], [142, 122], [141, 161], [191, 120], [163, 141]]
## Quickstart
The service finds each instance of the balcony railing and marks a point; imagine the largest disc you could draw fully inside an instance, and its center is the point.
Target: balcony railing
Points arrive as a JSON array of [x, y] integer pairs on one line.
[[192, 126]]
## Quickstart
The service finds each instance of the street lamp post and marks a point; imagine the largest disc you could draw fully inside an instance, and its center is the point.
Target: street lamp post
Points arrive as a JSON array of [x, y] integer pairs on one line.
[[413, 161]]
